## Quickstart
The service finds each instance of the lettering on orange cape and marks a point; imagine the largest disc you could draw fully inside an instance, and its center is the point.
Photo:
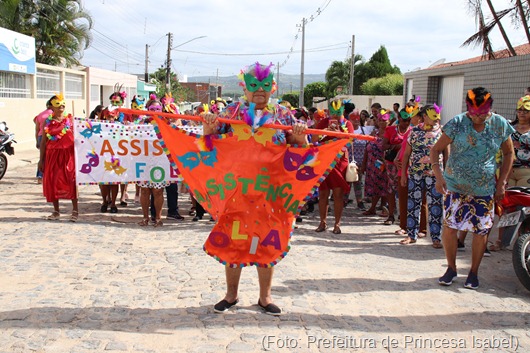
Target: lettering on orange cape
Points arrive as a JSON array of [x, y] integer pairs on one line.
[[252, 187]]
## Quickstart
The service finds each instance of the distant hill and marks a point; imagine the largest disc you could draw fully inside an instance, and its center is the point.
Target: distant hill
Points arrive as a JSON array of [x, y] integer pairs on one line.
[[286, 83]]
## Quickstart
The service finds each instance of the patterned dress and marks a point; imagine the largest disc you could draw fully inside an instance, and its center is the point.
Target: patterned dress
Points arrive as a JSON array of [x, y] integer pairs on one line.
[[376, 180]]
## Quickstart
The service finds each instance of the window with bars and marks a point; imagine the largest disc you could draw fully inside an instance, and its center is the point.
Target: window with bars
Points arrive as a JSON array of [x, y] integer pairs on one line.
[[73, 86], [15, 85], [48, 83]]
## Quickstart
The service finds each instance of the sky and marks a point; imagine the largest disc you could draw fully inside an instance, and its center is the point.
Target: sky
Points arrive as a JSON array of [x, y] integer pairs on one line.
[[236, 33]]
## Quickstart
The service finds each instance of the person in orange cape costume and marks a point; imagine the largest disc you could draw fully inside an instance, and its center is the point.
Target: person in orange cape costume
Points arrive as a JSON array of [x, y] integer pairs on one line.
[[253, 180]]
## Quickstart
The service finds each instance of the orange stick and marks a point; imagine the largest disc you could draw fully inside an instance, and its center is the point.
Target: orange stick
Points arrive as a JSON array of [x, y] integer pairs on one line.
[[233, 121]]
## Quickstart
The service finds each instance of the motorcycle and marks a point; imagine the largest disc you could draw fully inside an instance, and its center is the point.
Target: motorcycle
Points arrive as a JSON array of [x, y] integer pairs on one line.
[[6, 139], [515, 219]]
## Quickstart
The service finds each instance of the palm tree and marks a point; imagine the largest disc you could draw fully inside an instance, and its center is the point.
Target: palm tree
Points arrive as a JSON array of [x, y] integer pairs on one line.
[[521, 17], [523, 12], [61, 28], [482, 36], [497, 20], [337, 75]]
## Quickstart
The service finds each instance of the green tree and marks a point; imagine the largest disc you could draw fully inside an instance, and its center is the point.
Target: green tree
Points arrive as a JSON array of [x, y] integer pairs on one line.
[[389, 85], [378, 66], [178, 92], [315, 89], [337, 76], [61, 28], [291, 98]]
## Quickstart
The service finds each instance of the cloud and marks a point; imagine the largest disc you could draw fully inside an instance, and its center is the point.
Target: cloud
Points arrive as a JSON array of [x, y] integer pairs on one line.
[[415, 33]]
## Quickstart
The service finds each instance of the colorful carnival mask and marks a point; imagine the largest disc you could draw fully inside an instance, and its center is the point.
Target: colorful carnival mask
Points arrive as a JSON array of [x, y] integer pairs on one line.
[[383, 115], [258, 76], [336, 108], [434, 113], [138, 103], [482, 109], [523, 103], [404, 114], [58, 100], [414, 110]]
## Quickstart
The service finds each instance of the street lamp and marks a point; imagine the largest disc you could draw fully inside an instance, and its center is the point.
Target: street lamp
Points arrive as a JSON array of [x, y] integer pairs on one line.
[[169, 46], [186, 42]]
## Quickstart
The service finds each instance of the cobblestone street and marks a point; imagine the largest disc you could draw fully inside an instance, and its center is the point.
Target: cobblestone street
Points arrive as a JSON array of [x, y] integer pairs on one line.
[[104, 284]]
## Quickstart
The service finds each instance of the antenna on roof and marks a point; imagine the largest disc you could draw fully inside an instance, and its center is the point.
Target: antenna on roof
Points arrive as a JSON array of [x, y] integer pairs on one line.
[[437, 62]]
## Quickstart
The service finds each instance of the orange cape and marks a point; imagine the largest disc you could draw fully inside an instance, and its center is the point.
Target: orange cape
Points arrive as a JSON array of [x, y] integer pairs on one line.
[[252, 187]]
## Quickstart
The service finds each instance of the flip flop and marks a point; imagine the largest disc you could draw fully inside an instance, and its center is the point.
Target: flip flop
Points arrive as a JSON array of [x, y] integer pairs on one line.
[[54, 216], [407, 241]]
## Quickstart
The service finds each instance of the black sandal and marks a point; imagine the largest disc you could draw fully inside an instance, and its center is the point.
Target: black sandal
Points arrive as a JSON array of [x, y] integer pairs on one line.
[[389, 221], [104, 208]]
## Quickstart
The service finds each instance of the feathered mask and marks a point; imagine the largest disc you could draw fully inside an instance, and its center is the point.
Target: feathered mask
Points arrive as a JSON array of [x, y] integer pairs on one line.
[[434, 112], [118, 97], [483, 108], [257, 76], [58, 100], [415, 109], [336, 108], [383, 115]]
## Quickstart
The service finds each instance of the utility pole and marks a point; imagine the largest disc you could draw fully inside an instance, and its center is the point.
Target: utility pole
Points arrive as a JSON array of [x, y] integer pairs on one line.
[[277, 80], [301, 97], [146, 76], [217, 84], [168, 62], [350, 90]]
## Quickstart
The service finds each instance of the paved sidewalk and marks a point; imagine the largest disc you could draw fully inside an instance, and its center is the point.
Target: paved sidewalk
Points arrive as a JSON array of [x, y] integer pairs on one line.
[[106, 285]]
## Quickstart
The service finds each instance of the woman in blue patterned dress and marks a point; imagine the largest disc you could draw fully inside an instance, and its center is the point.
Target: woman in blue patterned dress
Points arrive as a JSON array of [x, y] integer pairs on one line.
[[468, 183]]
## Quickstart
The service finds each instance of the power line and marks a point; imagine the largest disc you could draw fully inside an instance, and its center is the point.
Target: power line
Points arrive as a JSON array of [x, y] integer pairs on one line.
[[311, 18], [269, 54]]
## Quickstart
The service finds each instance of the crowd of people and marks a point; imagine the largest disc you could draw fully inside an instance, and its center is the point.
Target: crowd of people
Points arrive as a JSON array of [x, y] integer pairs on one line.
[[415, 170]]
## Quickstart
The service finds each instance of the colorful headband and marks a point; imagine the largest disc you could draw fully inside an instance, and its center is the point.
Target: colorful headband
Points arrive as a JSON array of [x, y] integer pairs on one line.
[[434, 112], [473, 108], [383, 115], [404, 115], [257, 76], [336, 108], [58, 100], [523, 103]]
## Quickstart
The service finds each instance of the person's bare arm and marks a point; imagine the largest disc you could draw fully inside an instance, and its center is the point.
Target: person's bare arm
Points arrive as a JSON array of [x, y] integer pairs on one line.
[[506, 167], [405, 165], [436, 150]]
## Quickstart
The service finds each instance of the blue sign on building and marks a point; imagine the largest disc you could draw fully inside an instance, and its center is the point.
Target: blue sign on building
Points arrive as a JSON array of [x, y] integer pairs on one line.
[[17, 52]]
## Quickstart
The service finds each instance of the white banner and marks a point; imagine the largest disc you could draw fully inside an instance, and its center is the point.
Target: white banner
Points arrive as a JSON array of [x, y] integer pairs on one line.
[[114, 153]]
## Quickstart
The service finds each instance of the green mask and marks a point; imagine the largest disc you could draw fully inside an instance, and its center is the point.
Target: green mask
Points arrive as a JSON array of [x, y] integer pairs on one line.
[[253, 84]]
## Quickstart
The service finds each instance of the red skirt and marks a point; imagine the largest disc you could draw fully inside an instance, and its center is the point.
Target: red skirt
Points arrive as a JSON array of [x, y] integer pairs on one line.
[[59, 170], [337, 177]]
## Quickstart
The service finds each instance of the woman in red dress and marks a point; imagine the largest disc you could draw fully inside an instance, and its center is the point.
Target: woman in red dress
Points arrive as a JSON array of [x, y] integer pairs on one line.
[[336, 180], [57, 160]]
